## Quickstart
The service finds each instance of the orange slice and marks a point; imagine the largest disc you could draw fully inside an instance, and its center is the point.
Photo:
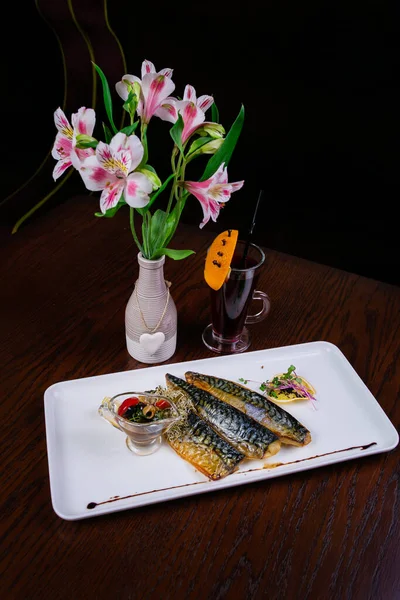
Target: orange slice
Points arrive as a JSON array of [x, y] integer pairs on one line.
[[219, 258]]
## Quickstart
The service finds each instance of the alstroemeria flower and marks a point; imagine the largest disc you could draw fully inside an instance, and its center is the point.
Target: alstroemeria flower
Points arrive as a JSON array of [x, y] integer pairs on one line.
[[192, 111], [213, 193], [155, 93], [64, 150], [111, 170]]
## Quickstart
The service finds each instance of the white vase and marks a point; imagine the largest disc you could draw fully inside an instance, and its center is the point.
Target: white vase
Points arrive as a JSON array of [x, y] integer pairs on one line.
[[150, 315]]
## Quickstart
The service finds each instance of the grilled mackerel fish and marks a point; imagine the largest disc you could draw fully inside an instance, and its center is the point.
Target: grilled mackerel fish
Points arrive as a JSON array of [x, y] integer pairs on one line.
[[278, 420], [195, 441], [244, 433]]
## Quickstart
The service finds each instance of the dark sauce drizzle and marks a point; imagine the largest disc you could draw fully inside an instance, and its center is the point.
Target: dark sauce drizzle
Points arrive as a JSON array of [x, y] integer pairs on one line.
[[316, 456], [92, 505]]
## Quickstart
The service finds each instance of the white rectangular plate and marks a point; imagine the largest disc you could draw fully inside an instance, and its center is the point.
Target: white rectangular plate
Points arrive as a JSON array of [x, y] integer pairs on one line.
[[92, 472]]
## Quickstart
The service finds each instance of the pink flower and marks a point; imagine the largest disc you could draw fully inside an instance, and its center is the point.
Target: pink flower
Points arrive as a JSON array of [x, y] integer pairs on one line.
[[192, 111], [155, 93], [213, 193], [64, 150], [110, 170]]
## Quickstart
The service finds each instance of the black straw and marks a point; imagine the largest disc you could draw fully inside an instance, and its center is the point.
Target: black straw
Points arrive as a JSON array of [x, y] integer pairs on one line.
[[250, 232]]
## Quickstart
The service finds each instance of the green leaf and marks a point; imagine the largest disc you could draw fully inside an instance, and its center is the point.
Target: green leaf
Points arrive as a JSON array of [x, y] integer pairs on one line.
[[111, 211], [174, 254], [224, 154], [176, 132], [160, 229], [288, 374], [198, 144], [130, 128], [154, 197], [107, 133], [214, 113], [106, 97], [174, 218]]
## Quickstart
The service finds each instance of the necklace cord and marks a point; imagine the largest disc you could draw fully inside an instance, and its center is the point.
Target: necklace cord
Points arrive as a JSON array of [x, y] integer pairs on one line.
[[160, 319]]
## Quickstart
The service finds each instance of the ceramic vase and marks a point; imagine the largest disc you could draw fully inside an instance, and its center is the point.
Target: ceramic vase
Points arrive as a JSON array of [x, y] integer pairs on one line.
[[150, 315]]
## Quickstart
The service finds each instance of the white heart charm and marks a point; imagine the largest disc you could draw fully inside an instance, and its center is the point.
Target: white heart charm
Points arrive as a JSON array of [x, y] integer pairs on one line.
[[151, 342]]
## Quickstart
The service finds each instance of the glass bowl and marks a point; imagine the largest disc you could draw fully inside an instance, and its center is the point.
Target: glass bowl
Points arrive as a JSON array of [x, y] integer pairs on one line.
[[142, 438]]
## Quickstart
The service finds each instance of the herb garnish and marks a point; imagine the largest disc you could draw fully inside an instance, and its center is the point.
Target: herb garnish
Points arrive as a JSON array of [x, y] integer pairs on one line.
[[136, 414], [287, 383]]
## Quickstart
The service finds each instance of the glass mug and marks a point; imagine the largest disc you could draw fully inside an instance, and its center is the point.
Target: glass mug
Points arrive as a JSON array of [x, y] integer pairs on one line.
[[230, 304]]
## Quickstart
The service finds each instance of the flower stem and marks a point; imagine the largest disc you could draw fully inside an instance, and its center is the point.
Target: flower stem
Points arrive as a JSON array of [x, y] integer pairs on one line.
[[174, 189], [132, 224], [173, 159], [180, 194], [175, 170], [143, 137], [182, 179], [147, 216], [171, 195]]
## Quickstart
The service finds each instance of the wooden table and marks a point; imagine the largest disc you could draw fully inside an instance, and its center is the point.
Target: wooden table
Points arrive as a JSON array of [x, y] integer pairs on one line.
[[327, 533]]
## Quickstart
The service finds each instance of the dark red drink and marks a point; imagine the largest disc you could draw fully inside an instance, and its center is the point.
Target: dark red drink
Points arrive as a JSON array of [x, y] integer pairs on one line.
[[229, 305]]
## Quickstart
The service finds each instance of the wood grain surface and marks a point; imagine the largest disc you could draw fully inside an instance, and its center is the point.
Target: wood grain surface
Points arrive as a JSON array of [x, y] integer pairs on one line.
[[328, 533]]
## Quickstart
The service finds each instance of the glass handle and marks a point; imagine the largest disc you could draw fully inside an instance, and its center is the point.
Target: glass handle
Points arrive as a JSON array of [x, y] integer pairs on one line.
[[105, 412], [257, 295]]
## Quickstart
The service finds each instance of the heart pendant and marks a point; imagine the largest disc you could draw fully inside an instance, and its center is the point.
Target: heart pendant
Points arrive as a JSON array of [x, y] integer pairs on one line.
[[151, 342]]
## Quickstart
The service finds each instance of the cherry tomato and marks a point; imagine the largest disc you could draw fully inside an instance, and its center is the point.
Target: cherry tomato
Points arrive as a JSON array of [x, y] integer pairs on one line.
[[132, 401], [162, 404]]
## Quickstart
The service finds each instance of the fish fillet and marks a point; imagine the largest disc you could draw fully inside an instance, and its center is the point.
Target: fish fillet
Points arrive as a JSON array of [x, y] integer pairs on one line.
[[279, 421], [244, 433], [195, 441]]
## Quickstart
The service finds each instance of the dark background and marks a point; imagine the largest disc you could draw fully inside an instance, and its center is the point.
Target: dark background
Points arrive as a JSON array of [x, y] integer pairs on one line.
[[319, 82]]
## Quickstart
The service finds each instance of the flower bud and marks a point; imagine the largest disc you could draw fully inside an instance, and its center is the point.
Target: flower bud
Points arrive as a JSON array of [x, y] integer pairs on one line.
[[211, 147], [154, 178], [85, 141], [199, 147], [133, 87], [214, 130], [130, 104], [136, 88]]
